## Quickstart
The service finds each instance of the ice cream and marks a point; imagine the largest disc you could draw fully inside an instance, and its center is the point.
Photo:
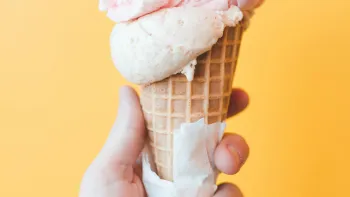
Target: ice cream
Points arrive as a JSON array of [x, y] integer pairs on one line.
[[126, 10], [158, 38], [167, 42]]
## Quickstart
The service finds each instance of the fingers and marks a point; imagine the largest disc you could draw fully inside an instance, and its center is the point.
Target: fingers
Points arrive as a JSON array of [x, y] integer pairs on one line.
[[231, 154], [128, 134], [228, 190], [238, 102]]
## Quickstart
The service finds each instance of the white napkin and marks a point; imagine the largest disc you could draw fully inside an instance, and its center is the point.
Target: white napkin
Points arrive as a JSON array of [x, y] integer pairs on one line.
[[194, 169]]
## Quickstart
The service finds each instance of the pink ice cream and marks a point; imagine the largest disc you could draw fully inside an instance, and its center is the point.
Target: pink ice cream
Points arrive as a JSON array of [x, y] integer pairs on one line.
[[126, 10], [154, 39]]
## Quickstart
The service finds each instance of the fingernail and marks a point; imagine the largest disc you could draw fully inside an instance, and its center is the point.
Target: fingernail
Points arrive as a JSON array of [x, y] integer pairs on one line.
[[238, 158]]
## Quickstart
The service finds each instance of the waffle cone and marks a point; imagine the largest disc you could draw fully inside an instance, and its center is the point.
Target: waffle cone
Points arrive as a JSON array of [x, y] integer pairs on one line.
[[169, 103]]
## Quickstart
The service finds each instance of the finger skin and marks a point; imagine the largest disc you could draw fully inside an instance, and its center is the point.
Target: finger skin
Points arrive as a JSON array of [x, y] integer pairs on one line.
[[231, 154], [127, 138], [130, 126], [228, 190], [239, 100]]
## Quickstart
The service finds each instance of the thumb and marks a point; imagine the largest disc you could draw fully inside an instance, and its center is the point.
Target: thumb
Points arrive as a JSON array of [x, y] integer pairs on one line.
[[127, 138]]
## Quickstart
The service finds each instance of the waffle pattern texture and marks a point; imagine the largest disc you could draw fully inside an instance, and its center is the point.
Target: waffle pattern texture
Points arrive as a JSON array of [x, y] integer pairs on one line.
[[175, 100]]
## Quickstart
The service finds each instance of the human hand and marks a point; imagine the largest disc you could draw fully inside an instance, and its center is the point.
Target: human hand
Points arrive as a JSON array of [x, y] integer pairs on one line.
[[116, 171]]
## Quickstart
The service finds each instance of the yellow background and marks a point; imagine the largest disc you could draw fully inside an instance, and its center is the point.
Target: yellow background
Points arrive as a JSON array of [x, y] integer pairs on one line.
[[58, 97]]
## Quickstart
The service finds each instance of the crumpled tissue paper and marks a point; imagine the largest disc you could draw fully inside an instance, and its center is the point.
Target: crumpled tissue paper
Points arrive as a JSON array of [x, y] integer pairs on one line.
[[193, 163]]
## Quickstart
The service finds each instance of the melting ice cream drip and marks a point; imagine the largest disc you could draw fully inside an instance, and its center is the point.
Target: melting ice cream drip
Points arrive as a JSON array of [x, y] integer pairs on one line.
[[231, 17], [188, 70]]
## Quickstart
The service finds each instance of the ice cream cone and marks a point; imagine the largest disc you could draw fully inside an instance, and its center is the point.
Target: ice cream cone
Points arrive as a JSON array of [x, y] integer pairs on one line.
[[169, 103]]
